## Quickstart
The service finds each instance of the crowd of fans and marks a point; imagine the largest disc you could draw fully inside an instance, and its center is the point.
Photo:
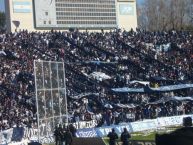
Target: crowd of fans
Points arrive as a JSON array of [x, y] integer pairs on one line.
[[161, 58]]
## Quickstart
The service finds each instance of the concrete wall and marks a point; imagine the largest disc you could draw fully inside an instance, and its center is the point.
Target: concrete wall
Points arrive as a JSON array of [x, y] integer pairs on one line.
[[7, 15], [14, 14], [127, 14]]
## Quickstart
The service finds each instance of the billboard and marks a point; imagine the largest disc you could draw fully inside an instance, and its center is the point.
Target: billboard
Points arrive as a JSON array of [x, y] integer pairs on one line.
[[45, 13], [74, 14], [126, 9], [21, 7]]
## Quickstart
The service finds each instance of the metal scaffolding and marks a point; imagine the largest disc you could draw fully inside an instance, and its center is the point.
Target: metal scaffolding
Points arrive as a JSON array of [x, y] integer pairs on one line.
[[51, 101]]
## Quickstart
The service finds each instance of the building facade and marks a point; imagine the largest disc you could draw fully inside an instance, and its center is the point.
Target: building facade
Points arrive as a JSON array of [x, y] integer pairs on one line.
[[35, 15]]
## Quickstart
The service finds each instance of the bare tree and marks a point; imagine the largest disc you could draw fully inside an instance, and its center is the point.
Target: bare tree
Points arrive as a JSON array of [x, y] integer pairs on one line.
[[2, 19], [165, 14]]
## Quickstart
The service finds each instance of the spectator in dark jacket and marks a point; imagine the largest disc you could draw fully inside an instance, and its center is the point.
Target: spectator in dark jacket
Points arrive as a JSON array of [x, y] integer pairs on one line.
[[68, 137], [112, 137], [125, 137]]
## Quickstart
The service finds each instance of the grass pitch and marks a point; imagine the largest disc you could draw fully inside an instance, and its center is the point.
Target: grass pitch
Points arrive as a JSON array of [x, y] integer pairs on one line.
[[143, 136]]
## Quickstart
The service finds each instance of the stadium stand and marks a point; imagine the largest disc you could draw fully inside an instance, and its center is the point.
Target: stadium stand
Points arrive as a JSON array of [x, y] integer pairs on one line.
[[118, 58]]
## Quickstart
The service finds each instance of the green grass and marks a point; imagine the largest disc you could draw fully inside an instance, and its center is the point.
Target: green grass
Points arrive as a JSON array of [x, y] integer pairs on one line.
[[148, 137], [141, 136], [145, 136], [137, 136]]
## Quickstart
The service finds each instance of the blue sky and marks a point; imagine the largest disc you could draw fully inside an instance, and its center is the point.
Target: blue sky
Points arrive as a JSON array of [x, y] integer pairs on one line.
[[140, 1], [2, 8]]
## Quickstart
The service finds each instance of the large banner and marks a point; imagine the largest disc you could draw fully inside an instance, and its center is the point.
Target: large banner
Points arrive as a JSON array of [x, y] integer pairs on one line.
[[148, 89], [175, 98], [19, 135], [151, 124], [6, 136]]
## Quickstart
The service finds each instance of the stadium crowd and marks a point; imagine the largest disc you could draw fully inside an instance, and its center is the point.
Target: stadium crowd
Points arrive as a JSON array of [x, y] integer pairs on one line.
[[160, 58]]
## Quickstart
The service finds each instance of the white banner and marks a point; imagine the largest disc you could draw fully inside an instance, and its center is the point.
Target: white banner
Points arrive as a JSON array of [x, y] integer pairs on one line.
[[23, 142], [85, 124], [175, 98], [140, 82], [5, 136], [31, 134]]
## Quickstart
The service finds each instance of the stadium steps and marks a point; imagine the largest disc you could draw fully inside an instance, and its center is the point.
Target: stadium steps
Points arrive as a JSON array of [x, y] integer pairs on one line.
[[88, 141]]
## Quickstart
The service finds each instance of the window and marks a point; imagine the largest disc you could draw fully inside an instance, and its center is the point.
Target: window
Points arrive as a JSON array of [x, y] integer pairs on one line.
[[86, 12]]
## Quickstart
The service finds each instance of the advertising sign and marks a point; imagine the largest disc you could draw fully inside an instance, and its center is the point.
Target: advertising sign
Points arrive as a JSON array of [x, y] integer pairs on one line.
[[126, 9]]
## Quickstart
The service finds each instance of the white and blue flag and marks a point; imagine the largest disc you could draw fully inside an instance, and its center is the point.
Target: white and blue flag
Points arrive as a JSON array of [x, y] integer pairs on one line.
[[21, 7]]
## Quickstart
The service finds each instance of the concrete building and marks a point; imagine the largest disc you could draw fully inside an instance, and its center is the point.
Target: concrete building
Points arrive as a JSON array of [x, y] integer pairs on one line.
[[35, 15]]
